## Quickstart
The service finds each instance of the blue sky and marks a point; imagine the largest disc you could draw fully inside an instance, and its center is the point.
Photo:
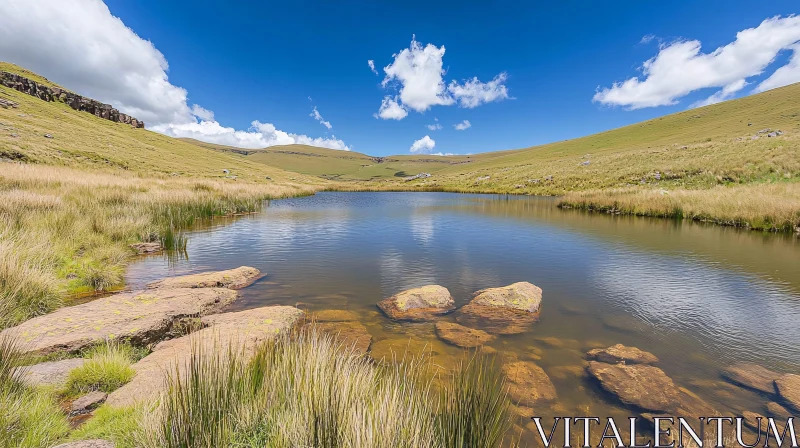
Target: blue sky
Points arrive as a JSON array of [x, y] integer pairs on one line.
[[262, 61]]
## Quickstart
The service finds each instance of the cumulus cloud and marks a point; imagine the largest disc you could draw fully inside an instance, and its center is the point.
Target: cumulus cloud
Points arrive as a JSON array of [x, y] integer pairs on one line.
[[259, 135], [371, 64], [726, 93], [423, 146], [788, 74], [464, 125], [680, 68], [82, 46], [316, 115], [419, 73], [391, 109]]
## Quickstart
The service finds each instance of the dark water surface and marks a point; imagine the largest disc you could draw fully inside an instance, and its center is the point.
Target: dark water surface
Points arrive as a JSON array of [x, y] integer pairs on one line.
[[699, 297]]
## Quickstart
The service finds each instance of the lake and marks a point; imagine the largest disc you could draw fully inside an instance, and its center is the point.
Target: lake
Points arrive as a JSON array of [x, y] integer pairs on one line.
[[700, 297]]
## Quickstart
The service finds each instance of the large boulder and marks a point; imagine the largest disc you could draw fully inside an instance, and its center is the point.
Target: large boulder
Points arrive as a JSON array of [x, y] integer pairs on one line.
[[621, 353], [53, 373], [232, 279], [645, 387], [752, 376], [788, 387], [242, 331], [351, 334], [462, 336], [506, 310], [142, 317], [528, 384], [418, 304]]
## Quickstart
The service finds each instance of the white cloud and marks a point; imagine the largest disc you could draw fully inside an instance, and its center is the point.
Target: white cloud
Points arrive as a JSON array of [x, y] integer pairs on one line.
[[259, 135], [473, 93], [464, 125], [726, 93], [80, 45], [788, 74], [434, 126], [423, 145], [391, 109], [680, 68], [646, 39], [443, 154], [371, 64], [315, 113], [419, 71]]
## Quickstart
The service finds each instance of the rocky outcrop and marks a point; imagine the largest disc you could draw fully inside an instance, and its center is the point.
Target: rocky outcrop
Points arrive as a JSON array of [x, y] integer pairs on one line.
[[752, 376], [53, 373], [620, 353], [142, 317], [528, 384], [418, 304], [788, 387], [241, 331], [462, 336], [75, 101], [639, 385], [506, 310], [232, 279]]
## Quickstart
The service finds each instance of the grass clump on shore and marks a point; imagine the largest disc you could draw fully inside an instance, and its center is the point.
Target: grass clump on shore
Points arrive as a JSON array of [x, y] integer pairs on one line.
[[107, 369]]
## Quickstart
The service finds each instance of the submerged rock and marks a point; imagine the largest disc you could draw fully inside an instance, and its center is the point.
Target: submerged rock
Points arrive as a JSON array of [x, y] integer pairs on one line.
[[777, 411], [788, 387], [350, 334], [232, 279], [639, 385], [751, 421], [528, 384], [462, 336], [418, 304], [142, 317], [752, 376], [335, 316], [240, 331], [620, 353], [53, 373], [506, 310]]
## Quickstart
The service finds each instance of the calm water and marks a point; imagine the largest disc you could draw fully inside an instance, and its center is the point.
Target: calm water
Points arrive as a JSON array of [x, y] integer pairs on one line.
[[699, 297]]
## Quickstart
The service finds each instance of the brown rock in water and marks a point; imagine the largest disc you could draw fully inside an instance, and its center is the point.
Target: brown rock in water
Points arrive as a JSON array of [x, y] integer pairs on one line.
[[752, 376], [349, 334], [788, 387], [639, 385], [506, 310], [54, 373], [334, 316], [94, 443], [397, 348], [620, 353], [147, 248], [462, 336], [142, 317], [232, 279], [550, 341], [242, 331], [86, 403], [751, 421], [692, 405], [528, 384], [418, 304], [564, 372], [777, 411]]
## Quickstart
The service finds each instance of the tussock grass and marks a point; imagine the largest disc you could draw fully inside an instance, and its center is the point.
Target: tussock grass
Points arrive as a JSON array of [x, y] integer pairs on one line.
[[123, 426], [107, 369]]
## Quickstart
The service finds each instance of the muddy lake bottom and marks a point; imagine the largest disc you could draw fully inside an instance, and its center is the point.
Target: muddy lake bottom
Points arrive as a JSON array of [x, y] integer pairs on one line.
[[699, 297]]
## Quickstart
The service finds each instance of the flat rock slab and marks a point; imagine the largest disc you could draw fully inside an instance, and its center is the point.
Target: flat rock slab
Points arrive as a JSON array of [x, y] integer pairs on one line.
[[335, 316], [86, 403], [242, 330], [621, 353], [528, 384], [506, 310], [639, 385], [777, 411], [147, 248], [462, 336], [96, 443], [522, 296], [418, 304], [54, 373], [752, 376], [788, 387], [350, 334], [142, 317], [232, 279]]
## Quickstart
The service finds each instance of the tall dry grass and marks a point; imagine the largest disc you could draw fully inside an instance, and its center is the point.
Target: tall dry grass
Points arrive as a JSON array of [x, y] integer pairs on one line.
[[65, 231]]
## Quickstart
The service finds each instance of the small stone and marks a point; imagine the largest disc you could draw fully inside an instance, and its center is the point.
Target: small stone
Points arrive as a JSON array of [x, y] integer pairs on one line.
[[620, 353], [86, 403], [462, 336]]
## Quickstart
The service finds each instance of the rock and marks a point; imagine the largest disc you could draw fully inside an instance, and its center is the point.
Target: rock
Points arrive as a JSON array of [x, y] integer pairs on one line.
[[777, 411], [550, 341], [620, 353], [349, 334], [418, 304], [334, 316], [147, 248], [54, 373], [232, 279], [788, 387], [94, 443], [625, 323], [528, 384], [752, 376], [242, 330], [639, 385], [692, 405], [142, 317], [751, 421], [86, 403], [462, 336], [565, 372], [48, 136], [506, 310]]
